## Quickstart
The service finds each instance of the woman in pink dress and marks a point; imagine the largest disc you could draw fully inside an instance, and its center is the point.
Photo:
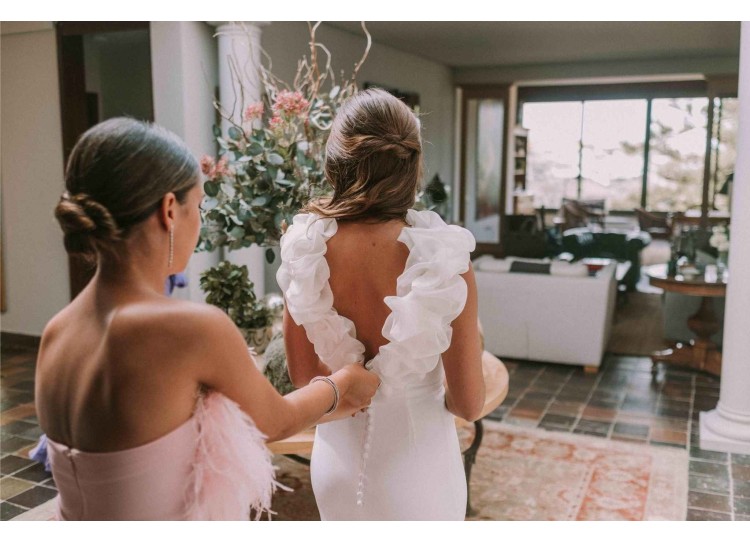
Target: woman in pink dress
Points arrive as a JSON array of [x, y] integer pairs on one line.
[[152, 406]]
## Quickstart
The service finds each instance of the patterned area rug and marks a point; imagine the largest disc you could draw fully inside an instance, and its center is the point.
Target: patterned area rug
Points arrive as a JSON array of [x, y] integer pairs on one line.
[[533, 474]]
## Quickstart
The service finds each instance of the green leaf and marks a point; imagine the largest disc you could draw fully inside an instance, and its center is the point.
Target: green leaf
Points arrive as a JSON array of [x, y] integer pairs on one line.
[[234, 133], [270, 255], [275, 159], [216, 131], [209, 203], [260, 201], [228, 189], [284, 182], [334, 92], [237, 232], [255, 149], [211, 188]]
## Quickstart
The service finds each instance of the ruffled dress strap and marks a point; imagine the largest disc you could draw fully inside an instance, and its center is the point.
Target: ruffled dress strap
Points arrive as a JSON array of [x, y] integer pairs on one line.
[[303, 277], [232, 472], [430, 294]]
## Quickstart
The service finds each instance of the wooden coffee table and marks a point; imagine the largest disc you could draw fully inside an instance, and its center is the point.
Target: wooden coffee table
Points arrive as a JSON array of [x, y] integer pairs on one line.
[[496, 385], [701, 353]]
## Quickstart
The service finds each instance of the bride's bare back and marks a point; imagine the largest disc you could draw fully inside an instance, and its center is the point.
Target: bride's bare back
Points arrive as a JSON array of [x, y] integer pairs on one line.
[[365, 260]]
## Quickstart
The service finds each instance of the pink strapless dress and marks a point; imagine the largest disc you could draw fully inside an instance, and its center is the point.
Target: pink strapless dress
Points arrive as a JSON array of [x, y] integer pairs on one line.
[[215, 466]]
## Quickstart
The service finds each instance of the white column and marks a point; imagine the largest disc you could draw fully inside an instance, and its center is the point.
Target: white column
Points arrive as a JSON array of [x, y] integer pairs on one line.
[[239, 58], [727, 428], [184, 75]]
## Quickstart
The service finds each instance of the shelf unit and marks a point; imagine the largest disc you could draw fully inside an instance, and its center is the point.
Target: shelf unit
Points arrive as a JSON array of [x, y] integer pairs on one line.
[[523, 203]]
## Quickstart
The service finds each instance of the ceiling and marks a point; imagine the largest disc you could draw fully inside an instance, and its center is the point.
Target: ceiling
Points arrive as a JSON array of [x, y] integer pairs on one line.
[[478, 44]]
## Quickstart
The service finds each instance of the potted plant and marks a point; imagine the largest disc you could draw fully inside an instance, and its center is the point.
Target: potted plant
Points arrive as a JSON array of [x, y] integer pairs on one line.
[[228, 287]]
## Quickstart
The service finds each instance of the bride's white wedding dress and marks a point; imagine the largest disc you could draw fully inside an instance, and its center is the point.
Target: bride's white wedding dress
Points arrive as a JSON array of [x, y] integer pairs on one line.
[[401, 459]]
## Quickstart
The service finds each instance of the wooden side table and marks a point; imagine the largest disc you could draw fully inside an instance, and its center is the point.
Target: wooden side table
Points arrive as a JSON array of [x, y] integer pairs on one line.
[[701, 353], [496, 384]]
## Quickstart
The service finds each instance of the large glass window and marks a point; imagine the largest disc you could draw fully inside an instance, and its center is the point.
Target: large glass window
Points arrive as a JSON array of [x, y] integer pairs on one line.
[[584, 145], [612, 154], [553, 150], [586, 150], [724, 150], [677, 153]]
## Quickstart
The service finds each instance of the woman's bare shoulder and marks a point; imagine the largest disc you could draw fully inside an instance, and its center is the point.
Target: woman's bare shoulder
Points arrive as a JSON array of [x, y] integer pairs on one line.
[[172, 323]]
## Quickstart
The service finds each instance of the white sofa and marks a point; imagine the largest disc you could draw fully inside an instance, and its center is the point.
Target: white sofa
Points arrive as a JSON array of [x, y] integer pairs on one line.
[[546, 317]]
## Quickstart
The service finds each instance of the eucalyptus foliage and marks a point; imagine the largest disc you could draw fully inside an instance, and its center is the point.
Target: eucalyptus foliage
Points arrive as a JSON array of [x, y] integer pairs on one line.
[[228, 287]]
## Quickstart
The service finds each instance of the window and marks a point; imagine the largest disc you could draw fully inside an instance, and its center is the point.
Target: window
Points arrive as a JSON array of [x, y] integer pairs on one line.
[[484, 124], [724, 149], [677, 153], [553, 150], [631, 145]]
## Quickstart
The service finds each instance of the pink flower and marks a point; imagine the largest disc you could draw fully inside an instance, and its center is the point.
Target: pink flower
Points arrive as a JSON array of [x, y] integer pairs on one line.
[[290, 103], [275, 122], [207, 166], [212, 169], [253, 111], [222, 167]]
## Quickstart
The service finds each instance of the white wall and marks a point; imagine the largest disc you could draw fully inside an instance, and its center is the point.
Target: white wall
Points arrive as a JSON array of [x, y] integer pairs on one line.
[[184, 67], [287, 42], [36, 265]]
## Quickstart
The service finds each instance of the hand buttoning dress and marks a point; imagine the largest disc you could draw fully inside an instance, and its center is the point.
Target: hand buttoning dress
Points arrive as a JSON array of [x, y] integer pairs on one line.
[[401, 459]]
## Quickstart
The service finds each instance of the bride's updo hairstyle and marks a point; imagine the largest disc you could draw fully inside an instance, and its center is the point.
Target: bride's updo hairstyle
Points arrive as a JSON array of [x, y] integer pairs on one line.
[[373, 159], [116, 177]]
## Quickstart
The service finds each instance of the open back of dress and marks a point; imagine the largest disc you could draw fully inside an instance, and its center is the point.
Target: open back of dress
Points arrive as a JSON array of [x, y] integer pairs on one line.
[[401, 459]]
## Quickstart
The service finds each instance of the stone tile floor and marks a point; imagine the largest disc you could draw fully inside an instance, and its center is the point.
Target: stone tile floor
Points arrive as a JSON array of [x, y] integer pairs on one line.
[[622, 402]]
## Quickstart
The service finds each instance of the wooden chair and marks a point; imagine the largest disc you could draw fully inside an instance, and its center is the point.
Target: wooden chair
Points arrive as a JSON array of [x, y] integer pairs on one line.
[[581, 213], [658, 227]]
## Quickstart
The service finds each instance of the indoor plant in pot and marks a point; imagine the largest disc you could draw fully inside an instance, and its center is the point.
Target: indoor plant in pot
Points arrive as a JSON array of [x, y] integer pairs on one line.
[[228, 287]]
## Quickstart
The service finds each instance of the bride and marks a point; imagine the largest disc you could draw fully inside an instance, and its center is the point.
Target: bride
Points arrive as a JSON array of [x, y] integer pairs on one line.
[[368, 279]]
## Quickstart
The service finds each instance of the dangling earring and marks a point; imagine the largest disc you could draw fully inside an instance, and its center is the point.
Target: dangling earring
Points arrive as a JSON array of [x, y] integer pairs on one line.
[[171, 245]]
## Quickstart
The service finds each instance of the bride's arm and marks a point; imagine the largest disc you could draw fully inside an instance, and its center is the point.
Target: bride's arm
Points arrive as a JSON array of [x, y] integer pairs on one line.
[[463, 360], [302, 361]]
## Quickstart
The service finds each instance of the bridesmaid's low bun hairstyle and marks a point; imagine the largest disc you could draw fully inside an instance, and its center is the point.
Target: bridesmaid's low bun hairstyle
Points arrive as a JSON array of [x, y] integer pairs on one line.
[[373, 159], [116, 177], [86, 224]]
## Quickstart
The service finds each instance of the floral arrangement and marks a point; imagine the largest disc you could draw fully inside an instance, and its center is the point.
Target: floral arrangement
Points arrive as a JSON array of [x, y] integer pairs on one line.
[[720, 241], [271, 163], [720, 238]]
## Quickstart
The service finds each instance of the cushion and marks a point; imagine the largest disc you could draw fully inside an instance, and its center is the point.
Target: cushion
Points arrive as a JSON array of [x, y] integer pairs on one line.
[[492, 264], [529, 265], [519, 266], [565, 269]]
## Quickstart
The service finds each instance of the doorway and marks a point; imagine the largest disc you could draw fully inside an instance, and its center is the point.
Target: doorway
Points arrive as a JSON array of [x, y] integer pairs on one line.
[[104, 71]]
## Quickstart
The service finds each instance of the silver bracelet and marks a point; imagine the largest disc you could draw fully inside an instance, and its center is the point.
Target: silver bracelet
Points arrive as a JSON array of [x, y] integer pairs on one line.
[[335, 392]]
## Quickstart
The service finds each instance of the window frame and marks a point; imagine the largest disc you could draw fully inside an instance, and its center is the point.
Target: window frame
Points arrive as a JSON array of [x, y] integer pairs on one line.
[[724, 86]]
